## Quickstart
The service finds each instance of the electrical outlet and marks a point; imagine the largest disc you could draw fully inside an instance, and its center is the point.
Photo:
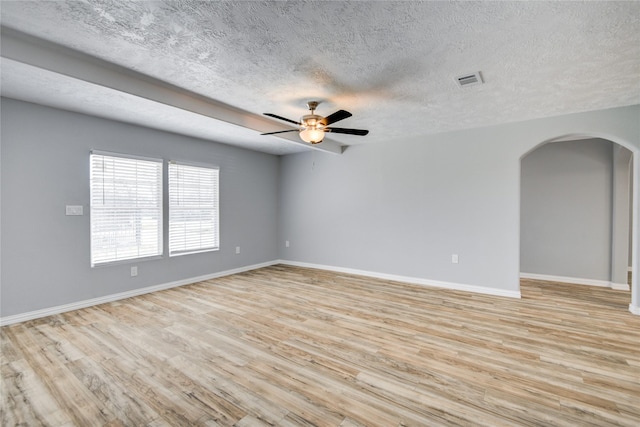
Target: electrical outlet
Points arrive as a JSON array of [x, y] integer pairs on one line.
[[237, 249], [454, 258], [134, 271], [286, 244]]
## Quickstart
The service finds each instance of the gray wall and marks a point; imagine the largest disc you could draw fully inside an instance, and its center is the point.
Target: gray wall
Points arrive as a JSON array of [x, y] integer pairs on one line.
[[621, 234], [405, 206], [402, 207], [566, 204], [45, 166]]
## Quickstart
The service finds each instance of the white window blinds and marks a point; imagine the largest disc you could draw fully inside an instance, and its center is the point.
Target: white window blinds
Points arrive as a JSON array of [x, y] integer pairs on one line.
[[126, 208], [193, 209]]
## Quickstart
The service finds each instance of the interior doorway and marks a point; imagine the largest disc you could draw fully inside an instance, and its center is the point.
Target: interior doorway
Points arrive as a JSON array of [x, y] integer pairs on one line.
[[576, 210]]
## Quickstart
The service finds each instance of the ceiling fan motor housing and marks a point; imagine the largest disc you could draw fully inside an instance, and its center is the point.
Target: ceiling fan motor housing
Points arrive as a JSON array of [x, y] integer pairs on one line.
[[312, 121]]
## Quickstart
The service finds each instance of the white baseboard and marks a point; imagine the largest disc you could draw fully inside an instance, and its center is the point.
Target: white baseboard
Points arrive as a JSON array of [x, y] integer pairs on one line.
[[620, 286], [406, 279], [576, 281], [23, 317]]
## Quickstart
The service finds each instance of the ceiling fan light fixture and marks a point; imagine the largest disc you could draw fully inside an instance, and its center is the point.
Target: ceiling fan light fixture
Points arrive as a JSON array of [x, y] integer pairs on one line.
[[312, 128], [312, 135]]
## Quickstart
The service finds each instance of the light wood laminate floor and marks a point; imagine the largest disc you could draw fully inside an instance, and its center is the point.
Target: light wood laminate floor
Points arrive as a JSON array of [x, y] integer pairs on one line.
[[286, 346]]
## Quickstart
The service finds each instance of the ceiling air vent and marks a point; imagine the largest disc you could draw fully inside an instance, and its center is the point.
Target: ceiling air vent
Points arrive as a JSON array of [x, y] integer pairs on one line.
[[469, 79]]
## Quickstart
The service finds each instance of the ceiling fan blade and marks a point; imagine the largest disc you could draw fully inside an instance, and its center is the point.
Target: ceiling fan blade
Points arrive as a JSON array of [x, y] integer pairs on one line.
[[281, 118], [280, 131], [336, 117], [360, 132]]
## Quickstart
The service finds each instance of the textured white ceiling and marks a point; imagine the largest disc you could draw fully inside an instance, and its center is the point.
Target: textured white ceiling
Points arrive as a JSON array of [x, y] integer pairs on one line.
[[392, 64]]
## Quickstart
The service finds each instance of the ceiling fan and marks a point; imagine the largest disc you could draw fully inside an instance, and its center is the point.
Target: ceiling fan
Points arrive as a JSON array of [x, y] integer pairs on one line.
[[313, 127]]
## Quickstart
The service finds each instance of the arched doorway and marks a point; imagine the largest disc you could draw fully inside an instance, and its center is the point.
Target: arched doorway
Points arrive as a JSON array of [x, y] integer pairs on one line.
[[578, 211]]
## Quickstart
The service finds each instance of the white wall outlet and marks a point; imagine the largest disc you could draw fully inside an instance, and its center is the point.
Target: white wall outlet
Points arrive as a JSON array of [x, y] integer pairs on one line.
[[286, 244], [74, 210], [134, 271], [454, 258], [237, 249]]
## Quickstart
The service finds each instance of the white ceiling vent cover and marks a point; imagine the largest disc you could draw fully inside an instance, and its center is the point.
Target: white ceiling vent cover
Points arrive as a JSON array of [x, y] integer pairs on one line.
[[469, 79]]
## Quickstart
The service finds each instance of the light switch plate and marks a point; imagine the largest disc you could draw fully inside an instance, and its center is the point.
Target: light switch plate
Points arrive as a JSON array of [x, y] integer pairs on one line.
[[74, 210]]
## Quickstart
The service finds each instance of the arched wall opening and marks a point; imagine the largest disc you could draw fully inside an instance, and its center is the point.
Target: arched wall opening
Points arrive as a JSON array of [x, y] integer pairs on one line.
[[617, 239]]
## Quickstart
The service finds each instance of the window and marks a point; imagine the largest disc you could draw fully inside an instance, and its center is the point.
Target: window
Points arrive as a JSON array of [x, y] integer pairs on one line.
[[126, 207], [193, 209]]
